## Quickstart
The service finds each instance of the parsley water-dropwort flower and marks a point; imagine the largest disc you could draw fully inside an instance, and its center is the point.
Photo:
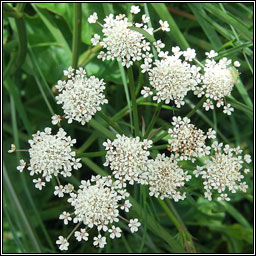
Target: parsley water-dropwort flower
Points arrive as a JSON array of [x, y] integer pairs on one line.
[[81, 97], [50, 155], [127, 158], [223, 172], [187, 140], [97, 203]]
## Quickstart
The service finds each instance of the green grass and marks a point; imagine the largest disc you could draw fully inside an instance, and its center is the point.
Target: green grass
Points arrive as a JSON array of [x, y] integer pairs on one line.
[[40, 40]]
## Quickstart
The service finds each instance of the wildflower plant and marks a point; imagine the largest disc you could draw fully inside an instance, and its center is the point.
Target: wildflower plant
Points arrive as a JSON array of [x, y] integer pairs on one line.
[[132, 163]]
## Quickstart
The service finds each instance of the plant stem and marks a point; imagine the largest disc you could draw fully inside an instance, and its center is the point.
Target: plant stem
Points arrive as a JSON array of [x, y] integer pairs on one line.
[[160, 137], [198, 105], [159, 147], [188, 242], [103, 130], [153, 120], [91, 154], [22, 42], [110, 122], [134, 104], [77, 21]]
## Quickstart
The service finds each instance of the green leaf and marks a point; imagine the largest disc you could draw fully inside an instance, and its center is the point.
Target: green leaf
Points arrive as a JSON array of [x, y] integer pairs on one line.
[[206, 26], [51, 25]]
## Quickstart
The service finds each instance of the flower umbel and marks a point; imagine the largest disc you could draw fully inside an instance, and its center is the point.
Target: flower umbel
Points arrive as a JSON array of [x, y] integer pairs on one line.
[[166, 178], [187, 140], [50, 155], [173, 77], [80, 97], [223, 172], [97, 203], [127, 158]]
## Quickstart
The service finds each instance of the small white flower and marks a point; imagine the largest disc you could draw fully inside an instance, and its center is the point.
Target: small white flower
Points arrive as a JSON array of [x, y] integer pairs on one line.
[[115, 232], [68, 188], [223, 197], [164, 25], [81, 235], [69, 73], [189, 54], [21, 166], [135, 9], [217, 146], [145, 67], [80, 72], [211, 134], [56, 119], [126, 206], [211, 54], [163, 55], [208, 105], [247, 158], [145, 18], [96, 39], [39, 183], [133, 225], [59, 191], [246, 171], [13, 149], [237, 64], [208, 195], [176, 50], [99, 241], [228, 109], [66, 217], [93, 18], [63, 243], [159, 45]]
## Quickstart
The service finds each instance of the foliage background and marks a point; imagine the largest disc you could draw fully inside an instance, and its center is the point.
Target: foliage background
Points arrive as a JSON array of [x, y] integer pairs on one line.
[[34, 60]]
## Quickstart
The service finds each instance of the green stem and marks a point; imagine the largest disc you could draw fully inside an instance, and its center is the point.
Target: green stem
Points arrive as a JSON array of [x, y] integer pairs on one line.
[[160, 136], [77, 21], [153, 120], [91, 154], [198, 105], [110, 122], [22, 40], [134, 104], [159, 147], [188, 242], [103, 130]]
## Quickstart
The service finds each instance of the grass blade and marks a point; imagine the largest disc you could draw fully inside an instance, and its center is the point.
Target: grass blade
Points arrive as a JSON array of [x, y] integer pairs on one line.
[[175, 32]]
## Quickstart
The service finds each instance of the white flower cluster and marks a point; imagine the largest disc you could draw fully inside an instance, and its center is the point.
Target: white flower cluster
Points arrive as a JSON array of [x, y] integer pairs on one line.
[[50, 155], [222, 172], [121, 42], [97, 203], [173, 77], [81, 96], [166, 178], [127, 158], [187, 140], [218, 81]]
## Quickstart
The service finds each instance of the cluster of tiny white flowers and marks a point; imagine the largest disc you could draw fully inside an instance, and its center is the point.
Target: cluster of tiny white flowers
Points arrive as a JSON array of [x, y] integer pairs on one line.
[[218, 81], [166, 178], [187, 140], [120, 41], [127, 158], [223, 171], [81, 96], [97, 203], [50, 155], [173, 77], [123, 43]]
